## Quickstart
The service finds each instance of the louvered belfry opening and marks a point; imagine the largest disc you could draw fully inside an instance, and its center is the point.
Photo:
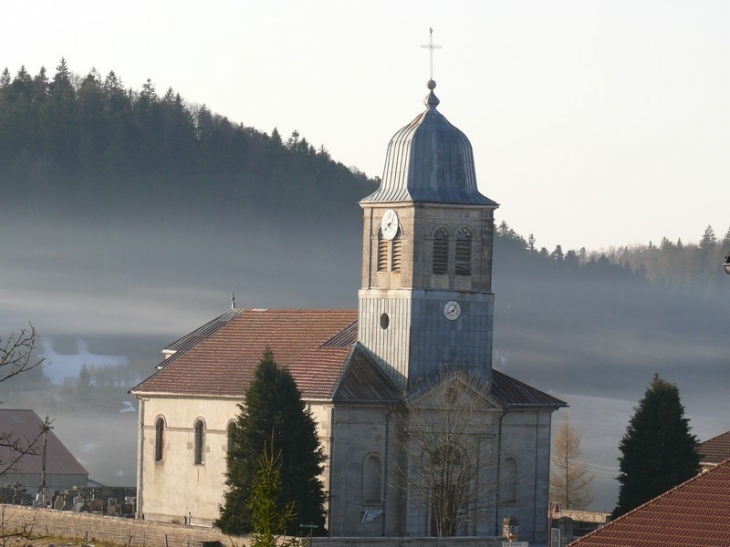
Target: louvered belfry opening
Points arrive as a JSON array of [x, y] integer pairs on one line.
[[382, 253], [463, 252], [397, 253], [440, 251]]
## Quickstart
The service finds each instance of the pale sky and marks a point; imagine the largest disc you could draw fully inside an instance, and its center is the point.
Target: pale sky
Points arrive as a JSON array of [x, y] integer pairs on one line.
[[594, 123]]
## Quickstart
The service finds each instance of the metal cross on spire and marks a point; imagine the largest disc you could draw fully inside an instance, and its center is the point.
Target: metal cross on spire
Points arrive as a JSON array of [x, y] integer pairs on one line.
[[431, 47]]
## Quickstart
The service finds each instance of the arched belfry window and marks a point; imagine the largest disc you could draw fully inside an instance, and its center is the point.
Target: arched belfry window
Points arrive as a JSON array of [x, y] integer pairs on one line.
[[372, 479], [199, 429], [159, 438], [440, 251], [463, 252]]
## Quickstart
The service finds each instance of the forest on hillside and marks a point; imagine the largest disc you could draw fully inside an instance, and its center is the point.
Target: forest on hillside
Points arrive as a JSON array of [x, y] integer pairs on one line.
[[89, 145]]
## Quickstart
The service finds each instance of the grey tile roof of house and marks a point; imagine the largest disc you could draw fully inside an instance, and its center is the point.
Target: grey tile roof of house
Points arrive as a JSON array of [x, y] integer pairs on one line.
[[25, 428]]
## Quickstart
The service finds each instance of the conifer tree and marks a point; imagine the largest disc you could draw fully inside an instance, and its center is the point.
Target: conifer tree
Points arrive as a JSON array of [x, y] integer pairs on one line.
[[269, 521], [658, 451], [273, 412]]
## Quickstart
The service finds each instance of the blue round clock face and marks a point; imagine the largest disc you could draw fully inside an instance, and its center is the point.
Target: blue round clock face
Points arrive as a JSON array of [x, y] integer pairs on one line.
[[452, 310]]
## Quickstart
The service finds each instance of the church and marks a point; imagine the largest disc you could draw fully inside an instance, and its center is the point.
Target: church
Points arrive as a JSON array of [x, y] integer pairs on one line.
[[422, 436]]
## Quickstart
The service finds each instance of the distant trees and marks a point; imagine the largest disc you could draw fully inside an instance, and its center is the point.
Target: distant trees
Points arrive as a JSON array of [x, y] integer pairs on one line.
[[273, 414], [658, 451], [571, 484]]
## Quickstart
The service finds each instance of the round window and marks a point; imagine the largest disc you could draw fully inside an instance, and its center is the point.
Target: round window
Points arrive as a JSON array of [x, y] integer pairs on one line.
[[384, 321]]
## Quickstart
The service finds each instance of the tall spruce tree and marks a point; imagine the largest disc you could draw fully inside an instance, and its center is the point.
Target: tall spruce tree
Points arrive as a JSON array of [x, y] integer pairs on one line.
[[658, 450], [273, 412]]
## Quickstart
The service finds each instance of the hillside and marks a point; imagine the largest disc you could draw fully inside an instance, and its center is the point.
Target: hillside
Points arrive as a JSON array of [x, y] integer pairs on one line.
[[87, 146]]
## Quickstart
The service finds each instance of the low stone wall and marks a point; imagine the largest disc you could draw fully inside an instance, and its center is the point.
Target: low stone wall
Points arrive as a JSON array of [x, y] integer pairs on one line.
[[123, 531], [143, 533]]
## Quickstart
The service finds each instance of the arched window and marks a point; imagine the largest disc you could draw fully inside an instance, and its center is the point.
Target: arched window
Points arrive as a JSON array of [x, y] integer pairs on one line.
[[440, 251], [159, 438], [229, 436], [508, 480], [463, 252], [199, 441], [397, 252], [372, 479], [382, 252]]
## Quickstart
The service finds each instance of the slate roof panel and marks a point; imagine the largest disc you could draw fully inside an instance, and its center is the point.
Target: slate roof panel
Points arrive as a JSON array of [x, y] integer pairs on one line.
[[694, 514], [513, 393], [25, 427], [363, 381]]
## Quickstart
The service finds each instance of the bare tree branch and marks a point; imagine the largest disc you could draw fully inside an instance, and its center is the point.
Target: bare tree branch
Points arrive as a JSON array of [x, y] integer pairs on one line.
[[446, 439], [16, 353]]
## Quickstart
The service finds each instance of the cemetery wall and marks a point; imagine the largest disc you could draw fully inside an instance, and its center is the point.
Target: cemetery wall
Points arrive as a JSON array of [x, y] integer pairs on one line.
[[125, 531]]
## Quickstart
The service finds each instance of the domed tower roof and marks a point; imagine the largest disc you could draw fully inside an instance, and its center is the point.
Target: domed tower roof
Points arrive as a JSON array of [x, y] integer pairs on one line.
[[429, 161]]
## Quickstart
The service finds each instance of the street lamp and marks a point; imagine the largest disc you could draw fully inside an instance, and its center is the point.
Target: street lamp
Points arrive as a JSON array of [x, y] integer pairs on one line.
[[726, 264]]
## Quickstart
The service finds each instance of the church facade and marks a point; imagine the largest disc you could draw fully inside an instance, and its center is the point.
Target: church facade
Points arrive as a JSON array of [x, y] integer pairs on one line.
[[422, 436]]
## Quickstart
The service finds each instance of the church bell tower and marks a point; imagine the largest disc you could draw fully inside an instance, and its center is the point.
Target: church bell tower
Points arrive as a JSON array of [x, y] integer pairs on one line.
[[426, 302]]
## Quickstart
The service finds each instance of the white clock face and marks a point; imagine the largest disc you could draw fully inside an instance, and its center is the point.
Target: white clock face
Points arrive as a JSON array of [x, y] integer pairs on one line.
[[389, 224], [452, 310]]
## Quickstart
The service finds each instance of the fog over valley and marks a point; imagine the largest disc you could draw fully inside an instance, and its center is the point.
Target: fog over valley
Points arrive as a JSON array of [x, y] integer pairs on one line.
[[116, 293]]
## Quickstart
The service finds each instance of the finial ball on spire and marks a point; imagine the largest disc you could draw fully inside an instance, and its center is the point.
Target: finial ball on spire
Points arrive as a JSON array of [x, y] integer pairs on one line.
[[431, 84]]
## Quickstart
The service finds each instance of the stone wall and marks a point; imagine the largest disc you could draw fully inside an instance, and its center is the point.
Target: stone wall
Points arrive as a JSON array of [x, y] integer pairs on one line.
[[155, 534], [122, 531]]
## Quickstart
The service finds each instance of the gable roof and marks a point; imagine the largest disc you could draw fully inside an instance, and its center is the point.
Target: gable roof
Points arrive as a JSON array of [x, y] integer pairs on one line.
[[26, 429], [319, 347], [715, 450], [695, 513]]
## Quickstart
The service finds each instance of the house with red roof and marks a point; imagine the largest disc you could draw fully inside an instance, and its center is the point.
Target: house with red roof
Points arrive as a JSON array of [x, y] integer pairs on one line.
[[694, 514], [419, 344]]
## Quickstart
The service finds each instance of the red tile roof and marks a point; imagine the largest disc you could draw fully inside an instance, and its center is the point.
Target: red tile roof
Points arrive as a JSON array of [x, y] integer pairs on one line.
[[26, 428], [715, 450], [319, 347], [694, 514]]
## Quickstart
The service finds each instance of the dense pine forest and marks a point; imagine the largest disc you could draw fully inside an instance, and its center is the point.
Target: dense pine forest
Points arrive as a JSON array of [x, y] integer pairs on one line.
[[89, 145]]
